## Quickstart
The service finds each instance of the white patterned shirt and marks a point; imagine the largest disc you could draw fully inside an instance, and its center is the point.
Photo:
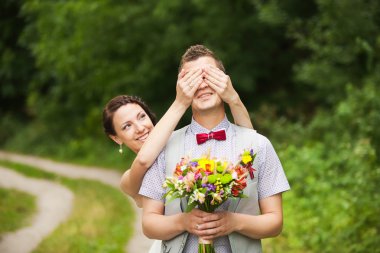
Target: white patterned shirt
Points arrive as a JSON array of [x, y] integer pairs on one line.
[[271, 178]]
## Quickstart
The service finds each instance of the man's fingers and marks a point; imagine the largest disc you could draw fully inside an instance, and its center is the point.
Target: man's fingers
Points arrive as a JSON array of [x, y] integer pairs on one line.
[[198, 212], [209, 233], [213, 217], [209, 225]]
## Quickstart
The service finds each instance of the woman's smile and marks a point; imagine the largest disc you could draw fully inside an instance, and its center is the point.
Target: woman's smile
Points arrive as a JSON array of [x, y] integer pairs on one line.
[[143, 137]]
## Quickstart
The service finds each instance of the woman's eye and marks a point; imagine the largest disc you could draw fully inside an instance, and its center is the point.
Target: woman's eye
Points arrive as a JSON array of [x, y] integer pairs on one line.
[[142, 116], [126, 126]]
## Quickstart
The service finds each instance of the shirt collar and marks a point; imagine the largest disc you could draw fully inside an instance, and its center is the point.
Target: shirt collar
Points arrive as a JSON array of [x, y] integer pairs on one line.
[[196, 128]]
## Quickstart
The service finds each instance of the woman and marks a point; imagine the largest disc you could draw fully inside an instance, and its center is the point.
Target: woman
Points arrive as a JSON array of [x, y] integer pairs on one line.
[[127, 120]]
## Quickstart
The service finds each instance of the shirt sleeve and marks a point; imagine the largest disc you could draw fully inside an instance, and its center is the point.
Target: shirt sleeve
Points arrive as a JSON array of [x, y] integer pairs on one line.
[[154, 178], [271, 178]]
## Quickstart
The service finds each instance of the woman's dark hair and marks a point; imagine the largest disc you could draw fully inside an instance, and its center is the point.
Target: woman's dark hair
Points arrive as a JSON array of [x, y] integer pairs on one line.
[[115, 103]]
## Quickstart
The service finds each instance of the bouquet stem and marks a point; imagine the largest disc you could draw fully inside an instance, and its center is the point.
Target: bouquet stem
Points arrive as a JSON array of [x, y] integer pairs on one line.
[[205, 246]]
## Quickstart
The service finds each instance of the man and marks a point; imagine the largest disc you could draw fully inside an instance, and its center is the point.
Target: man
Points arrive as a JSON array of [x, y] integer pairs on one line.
[[237, 226]]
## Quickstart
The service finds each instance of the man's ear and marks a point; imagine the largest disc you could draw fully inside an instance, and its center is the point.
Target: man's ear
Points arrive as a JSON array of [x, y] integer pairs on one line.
[[115, 139]]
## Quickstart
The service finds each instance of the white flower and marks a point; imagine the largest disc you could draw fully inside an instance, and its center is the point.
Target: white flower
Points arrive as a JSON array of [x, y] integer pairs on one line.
[[198, 196], [234, 175]]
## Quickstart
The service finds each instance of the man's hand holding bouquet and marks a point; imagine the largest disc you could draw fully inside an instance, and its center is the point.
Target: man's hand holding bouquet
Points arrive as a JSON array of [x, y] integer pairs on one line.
[[207, 183]]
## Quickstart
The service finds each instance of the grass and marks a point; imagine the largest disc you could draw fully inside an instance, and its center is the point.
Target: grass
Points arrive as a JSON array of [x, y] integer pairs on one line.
[[101, 219], [16, 209]]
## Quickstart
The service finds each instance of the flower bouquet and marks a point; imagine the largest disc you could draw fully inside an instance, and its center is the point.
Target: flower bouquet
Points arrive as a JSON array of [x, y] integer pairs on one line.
[[208, 183]]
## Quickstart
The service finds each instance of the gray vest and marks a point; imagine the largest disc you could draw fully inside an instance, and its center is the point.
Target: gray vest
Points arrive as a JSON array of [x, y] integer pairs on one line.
[[175, 149]]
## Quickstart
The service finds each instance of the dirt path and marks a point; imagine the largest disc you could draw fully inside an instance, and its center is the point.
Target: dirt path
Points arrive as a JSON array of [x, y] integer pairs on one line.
[[139, 243], [54, 204]]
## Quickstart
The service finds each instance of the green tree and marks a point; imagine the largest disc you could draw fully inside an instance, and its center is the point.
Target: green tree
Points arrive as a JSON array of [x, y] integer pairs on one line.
[[89, 51], [17, 68], [335, 170]]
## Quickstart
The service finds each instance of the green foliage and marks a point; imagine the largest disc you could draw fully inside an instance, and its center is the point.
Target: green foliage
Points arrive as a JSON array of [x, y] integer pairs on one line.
[[87, 52], [17, 64], [334, 175], [332, 158], [17, 69], [308, 71], [334, 195], [16, 209], [343, 43]]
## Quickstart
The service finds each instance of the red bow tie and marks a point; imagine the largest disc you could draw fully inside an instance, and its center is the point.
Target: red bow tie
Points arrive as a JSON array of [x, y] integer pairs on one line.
[[217, 135]]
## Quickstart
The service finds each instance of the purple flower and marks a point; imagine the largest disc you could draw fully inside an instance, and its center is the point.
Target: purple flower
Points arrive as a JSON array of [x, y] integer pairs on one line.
[[194, 164], [211, 187]]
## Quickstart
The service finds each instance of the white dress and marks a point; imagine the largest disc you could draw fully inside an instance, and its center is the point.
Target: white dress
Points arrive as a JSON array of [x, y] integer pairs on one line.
[[156, 247]]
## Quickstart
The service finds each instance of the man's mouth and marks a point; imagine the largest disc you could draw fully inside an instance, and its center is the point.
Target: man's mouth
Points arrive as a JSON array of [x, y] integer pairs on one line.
[[204, 95], [143, 137]]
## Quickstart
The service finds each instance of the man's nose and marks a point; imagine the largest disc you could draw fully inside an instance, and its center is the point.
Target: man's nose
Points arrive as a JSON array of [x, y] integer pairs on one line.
[[203, 84]]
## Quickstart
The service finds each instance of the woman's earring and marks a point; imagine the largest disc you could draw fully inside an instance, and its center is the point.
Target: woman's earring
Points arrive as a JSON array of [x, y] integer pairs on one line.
[[121, 149]]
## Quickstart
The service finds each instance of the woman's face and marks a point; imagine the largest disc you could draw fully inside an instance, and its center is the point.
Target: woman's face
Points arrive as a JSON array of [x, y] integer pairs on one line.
[[132, 126]]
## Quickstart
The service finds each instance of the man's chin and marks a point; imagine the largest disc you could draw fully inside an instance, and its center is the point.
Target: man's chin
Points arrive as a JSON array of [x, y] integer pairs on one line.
[[205, 107]]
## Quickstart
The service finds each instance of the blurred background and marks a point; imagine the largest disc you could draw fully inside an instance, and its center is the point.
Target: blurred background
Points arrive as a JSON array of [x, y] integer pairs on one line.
[[307, 71]]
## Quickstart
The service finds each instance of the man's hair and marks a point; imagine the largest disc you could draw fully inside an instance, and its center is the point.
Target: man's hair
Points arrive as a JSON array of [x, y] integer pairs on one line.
[[196, 51]]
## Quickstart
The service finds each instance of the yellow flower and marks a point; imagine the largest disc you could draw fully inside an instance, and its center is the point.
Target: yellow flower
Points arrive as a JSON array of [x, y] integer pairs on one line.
[[246, 157], [206, 165]]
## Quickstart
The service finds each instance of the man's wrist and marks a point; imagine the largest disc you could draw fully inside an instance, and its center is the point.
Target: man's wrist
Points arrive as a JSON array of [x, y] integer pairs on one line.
[[237, 224], [181, 218]]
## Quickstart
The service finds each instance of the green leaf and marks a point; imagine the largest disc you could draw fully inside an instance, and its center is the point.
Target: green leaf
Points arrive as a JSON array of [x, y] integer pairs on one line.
[[190, 207]]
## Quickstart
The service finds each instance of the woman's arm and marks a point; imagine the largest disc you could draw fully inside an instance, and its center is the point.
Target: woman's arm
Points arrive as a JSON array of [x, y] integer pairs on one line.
[[187, 84], [222, 84], [240, 113]]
